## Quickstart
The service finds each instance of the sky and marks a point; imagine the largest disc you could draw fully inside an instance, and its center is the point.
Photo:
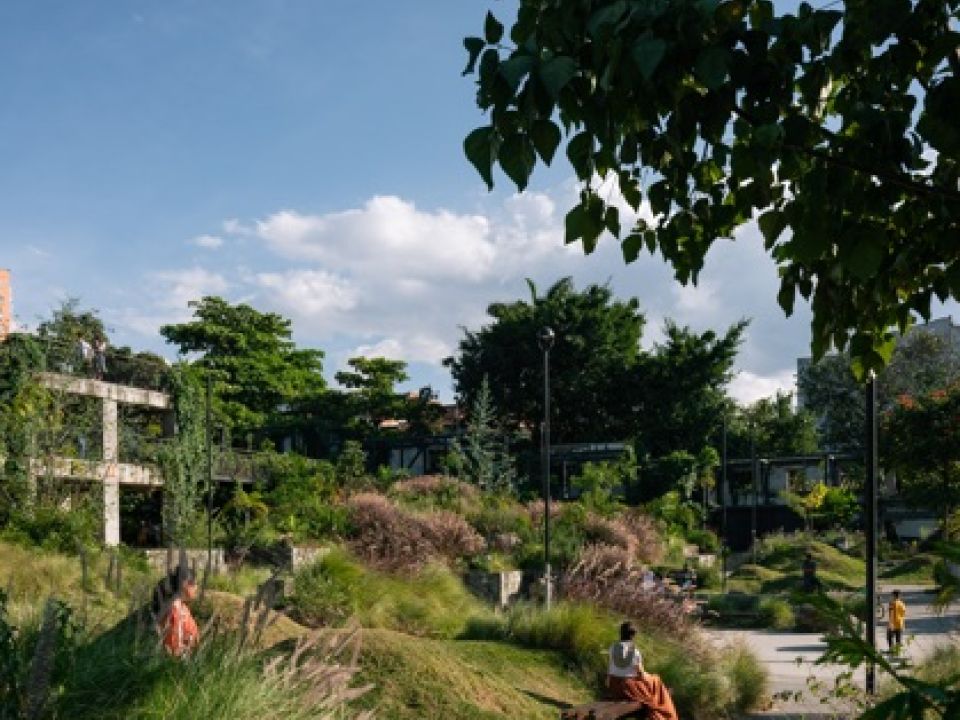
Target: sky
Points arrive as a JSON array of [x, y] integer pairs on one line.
[[304, 157]]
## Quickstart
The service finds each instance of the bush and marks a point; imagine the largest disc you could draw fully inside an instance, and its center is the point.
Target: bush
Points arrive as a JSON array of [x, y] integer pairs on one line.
[[706, 540], [607, 577], [776, 613], [749, 677], [435, 492], [390, 538], [432, 602], [54, 529]]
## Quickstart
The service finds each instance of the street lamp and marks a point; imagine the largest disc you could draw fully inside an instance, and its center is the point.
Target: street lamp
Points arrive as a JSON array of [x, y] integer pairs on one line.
[[546, 339]]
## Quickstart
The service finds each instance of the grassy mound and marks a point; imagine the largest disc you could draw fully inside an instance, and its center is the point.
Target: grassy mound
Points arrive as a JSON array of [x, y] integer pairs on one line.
[[917, 570], [434, 678], [779, 567]]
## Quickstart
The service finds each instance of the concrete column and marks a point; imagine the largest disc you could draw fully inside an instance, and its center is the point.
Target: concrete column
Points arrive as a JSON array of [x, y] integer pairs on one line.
[[111, 479]]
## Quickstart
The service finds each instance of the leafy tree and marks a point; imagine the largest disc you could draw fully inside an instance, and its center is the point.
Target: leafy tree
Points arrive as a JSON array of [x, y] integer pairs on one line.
[[922, 362], [61, 333], [351, 467], [485, 461], [922, 443], [833, 127], [774, 428], [373, 397], [256, 366], [597, 345], [677, 393]]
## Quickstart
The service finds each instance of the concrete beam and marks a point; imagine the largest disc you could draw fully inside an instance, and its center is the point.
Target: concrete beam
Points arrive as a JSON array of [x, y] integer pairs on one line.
[[123, 394], [94, 471]]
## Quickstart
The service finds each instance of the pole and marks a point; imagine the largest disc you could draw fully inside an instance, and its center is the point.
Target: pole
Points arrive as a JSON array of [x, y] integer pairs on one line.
[[870, 509], [753, 479], [209, 442], [546, 476], [723, 503]]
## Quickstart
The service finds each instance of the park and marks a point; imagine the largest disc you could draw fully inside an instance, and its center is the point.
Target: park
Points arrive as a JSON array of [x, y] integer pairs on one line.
[[673, 434]]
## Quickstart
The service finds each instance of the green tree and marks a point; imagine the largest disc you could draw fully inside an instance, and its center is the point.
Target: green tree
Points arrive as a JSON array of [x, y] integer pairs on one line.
[[677, 393], [597, 345], [922, 444], [60, 334], [922, 362], [833, 127], [774, 427], [372, 395], [485, 461], [256, 366]]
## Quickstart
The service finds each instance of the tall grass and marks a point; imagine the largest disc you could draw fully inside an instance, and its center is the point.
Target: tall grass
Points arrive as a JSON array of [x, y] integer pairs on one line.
[[432, 602], [705, 682]]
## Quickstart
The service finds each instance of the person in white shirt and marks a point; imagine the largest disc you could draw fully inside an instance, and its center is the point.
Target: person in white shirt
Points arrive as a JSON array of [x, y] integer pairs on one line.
[[627, 680]]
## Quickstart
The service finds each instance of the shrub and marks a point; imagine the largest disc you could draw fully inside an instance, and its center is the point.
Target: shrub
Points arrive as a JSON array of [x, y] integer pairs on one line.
[[435, 492], [706, 540], [391, 538], [607, 577], [776, 613], [748, 676], [431, 602]]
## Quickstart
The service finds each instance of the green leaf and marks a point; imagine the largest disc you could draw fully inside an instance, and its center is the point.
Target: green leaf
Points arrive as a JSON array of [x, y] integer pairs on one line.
[[711, 66], [647, 52], [938, 124], [631, 246], [479, 149], [593, 223], [492, 29], [546, 139], [580, 154], [474, 46], [606, 15], [659, 196], [556, 72], [515, 69], [517, 159], [772, 224], [611, 220], [574, 224], [768, 136], [865, 256], [786, 297]]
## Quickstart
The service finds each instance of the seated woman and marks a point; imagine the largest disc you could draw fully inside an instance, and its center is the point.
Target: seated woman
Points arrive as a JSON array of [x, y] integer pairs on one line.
[[627, 680], [175, 624]]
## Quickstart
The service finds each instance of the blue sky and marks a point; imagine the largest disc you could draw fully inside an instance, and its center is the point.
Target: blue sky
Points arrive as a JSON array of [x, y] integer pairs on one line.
[[305, 157]]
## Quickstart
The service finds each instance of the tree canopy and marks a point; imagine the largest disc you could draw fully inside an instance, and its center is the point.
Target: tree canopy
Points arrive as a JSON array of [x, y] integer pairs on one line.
[[922, 363], [597, 344], [832, 127], [255, 364]]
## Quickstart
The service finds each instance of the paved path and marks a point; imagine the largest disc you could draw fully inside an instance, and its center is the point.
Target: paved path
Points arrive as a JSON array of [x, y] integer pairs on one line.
[[789, 657]]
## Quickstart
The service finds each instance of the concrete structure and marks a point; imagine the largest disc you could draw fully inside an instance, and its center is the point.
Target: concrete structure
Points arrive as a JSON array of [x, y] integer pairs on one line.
[[6, 304], [109, 471]]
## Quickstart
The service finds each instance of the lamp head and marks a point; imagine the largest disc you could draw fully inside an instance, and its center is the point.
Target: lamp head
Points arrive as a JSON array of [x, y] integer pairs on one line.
[[546, 338]]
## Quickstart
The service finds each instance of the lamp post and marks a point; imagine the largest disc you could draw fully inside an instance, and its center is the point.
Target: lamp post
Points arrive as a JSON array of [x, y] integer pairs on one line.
[[546, 339], [723, 504], [870, 506]]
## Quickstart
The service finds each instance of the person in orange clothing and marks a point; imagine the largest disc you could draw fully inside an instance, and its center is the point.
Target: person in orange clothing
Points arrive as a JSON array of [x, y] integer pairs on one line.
[[177, 629], [627, 680], [896, 618]]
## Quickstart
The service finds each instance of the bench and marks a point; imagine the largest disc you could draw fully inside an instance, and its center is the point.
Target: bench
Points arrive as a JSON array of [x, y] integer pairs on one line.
[[605, 710]]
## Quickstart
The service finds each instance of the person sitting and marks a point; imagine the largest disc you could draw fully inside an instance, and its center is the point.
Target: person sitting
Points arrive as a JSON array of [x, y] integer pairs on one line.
[[627, 680], [175, 624]]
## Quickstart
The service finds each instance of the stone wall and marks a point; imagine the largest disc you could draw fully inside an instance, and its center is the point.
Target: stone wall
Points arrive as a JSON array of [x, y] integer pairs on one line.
[[500, 588]]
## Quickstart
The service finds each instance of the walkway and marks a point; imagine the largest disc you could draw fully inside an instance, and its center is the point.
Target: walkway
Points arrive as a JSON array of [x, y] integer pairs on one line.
[[789, 657]]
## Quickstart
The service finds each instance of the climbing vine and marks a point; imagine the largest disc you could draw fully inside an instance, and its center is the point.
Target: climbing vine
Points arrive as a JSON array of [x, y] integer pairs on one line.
[[182, 461]]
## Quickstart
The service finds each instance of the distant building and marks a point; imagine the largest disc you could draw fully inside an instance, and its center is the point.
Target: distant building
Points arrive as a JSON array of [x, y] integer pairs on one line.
[[6, 304]]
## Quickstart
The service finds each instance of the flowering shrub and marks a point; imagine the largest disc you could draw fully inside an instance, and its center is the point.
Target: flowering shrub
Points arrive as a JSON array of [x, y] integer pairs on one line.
[[607, 576], [435, 491], [391, 538]]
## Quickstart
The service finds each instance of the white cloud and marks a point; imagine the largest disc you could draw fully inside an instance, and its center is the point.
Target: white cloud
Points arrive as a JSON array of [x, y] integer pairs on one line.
[[310, 292], [748, 387], [388, 233], [163, 298], [210, 242]]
